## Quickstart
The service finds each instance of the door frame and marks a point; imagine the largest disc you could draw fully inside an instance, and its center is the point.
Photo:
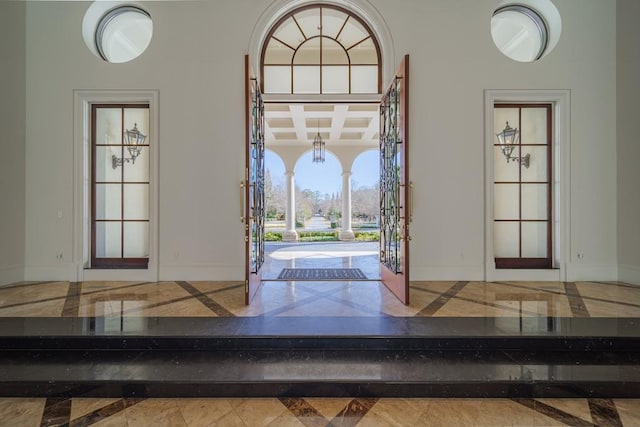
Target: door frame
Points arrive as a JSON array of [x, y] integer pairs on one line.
[[561, 149]]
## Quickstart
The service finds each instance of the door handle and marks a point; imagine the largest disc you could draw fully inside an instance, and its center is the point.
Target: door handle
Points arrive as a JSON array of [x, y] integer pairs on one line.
[[243, 201]]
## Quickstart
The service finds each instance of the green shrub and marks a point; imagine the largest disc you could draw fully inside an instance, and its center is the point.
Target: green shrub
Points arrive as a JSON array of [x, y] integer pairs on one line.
[[367, 236], [273, 236], [317, 236]]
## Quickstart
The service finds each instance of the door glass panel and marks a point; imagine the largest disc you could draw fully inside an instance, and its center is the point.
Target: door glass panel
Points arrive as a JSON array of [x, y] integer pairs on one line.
[[534, 201], [108, 126], [135, 201], [108, 239], [108, 201], [277, 79], [104, 164], [534, 239], [538, 168], [503, 171], [506, 204], [138, 171], [500, 118], [306, 79], [534, 126], [335, 79], [506, 241], [137, 117], [364, 79], [136, 239]]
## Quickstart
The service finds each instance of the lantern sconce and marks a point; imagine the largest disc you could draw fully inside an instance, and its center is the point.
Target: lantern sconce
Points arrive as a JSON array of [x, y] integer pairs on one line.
[[134, 139], [508, 140]]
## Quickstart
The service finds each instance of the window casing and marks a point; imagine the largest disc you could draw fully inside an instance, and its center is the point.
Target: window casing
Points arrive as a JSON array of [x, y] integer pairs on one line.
[[321, 49], [523, 208], [119, 188]]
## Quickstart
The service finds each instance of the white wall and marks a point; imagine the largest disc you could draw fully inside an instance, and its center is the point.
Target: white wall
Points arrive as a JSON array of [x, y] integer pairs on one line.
[[12, 138], [628, 94], [196, 62]]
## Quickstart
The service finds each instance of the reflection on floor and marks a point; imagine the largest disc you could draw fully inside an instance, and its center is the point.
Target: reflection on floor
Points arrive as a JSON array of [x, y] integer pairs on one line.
[[318, 412], [358, 298]]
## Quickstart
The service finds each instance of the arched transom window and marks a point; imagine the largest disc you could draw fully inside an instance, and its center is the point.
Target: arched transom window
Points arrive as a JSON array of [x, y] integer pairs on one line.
[[321, 49]]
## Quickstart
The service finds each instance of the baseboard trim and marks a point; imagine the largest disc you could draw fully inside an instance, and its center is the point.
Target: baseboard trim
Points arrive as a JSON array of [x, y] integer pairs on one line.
[[49, 273], [447, 273], [202, 273], [629, 274], [11, 274], [533, 275], [589, 272]]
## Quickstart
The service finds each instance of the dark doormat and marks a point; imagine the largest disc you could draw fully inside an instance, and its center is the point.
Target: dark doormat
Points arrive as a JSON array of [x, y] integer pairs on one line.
[[321, 274]]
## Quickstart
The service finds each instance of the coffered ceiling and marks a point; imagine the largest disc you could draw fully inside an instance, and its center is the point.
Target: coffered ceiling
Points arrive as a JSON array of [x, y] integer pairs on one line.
[[338, 124]]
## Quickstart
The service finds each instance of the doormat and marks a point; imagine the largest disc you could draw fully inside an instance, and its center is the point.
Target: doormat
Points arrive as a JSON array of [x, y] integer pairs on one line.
[[320, 274]]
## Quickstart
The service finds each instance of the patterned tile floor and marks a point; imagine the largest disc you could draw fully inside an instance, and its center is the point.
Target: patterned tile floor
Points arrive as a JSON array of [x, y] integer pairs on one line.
[[279, 298], [318, 412]]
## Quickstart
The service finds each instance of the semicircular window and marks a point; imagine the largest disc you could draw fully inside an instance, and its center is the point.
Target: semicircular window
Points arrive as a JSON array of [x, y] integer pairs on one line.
[[519, 32], [123, 34], [320, 49]]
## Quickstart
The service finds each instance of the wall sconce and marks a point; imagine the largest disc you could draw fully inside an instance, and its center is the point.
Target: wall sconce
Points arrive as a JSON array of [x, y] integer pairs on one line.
[[509, 139], [134, 140], [318, 147]]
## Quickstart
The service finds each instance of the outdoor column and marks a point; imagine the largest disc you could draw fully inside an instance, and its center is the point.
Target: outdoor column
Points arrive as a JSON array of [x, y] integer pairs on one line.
[[290, 234], [346, 233]]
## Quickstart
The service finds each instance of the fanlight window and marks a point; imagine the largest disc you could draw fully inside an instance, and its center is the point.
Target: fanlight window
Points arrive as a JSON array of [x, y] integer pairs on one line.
[[321, 49]]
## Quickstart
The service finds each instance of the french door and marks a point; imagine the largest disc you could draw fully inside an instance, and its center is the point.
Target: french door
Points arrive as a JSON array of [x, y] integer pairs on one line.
[[253, 200], [395, 188]]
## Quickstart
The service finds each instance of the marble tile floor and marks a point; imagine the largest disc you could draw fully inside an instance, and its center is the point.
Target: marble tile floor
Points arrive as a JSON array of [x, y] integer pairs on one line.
[[325, 299], [313, 412]]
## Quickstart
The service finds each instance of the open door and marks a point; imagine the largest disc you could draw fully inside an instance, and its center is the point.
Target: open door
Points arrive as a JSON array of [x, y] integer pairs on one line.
[[253, 211], [395, 188]]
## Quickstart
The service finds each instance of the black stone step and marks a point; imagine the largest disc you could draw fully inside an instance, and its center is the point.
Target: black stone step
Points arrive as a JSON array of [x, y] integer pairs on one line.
[[354, 356]]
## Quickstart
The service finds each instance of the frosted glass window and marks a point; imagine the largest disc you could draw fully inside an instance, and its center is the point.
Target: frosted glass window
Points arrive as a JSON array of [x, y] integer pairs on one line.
[[278, 53], [519, 33], [333, 53], [332, 21], [137, 117], [289, 33], [104, 169], [352, 33], [364, 79], [503, 171], [138, 171], [506, 204], [506, 242], [108, 239], [306, 79], [108, 126], [538, 169], [123, 34], [534, 126], [534, 201], [500, 118], [136, 197], [309, 21], [534, 239], [136, 239], [364, 53], [277, 79], [108, 201], [335, 79], [303, 38], [308, 53]]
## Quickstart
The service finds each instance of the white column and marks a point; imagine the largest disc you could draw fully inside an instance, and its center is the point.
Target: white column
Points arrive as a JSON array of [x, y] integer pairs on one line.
[[346, 233], [290, 234]]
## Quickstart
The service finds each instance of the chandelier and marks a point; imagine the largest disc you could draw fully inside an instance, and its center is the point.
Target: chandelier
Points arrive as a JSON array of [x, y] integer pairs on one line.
[[318, 147]]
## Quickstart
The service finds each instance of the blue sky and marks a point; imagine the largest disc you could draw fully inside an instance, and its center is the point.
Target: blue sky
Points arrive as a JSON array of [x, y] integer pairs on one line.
[[326, 177]]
